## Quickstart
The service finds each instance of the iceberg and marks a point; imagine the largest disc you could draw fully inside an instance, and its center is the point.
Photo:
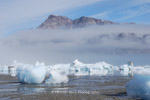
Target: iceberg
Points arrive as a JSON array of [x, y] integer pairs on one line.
[[31, 73], [126, 70], [58, 73], [139, 86], [4, 70], [57, 77], [64, 68], [100, 68], [13, 71]]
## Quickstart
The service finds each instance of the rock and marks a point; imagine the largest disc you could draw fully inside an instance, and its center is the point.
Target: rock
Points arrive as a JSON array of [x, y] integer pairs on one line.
[[55, 22], [62, 22], [86, 21]]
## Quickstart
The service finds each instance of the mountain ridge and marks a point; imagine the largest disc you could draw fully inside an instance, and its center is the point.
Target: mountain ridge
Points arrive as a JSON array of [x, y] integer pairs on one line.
[[63, 22]]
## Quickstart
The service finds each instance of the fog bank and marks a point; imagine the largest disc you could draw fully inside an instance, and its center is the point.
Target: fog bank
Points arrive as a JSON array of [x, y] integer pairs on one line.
[[111, 43]]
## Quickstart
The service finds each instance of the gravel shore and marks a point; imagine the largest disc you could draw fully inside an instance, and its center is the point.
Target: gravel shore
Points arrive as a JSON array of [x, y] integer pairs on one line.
[[79, 88]]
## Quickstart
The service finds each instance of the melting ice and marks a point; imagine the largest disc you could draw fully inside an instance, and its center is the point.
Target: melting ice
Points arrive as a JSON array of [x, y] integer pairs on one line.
[[56, 74], [139, 86], [31, 74]]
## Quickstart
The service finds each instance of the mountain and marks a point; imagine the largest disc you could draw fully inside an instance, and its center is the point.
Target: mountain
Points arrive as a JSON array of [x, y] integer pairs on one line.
[[53, 22], [57, 22], [85, 21]]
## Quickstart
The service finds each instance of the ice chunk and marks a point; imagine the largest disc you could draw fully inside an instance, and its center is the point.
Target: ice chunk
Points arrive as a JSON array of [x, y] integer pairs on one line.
[[31, 73], [64, 68], [125, 70], [58, 73], [13, 71], [100, 68], [139, 86], [4, 70], [56, 77]]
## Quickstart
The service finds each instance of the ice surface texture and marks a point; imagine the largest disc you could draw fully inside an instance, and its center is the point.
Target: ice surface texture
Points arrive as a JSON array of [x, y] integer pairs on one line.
[[31, 74], [139, 86], [58, 73], [4, 70], [57, 77]]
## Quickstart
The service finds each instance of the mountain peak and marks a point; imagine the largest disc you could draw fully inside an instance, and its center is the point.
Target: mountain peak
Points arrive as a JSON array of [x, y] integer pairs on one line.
[[51, 16], [55, 16], [53, 22], [57, 22]]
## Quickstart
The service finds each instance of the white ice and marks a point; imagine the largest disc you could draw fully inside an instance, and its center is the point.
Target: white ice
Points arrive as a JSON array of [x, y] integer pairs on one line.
[[126, 70], [31, 73], [4, 70], [139, 86], [57, 77], [56, 74], [59, 73], [100, 68]]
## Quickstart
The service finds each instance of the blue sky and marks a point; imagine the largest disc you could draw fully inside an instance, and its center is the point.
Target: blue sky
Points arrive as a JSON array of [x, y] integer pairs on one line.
[[17, 15], [117, 10]]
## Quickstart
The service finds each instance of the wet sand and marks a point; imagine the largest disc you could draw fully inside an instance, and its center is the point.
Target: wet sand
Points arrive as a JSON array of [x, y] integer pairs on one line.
[[78, 88]]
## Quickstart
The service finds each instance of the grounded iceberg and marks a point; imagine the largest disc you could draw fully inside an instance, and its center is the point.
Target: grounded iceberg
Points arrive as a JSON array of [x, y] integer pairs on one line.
[[126, 70], [139, 86], [58, 73], [31, 74], [100, 68], [57, 77], [4, 70]]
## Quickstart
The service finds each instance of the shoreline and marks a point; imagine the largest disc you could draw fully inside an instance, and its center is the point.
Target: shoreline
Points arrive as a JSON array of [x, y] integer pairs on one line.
[[107, 88]]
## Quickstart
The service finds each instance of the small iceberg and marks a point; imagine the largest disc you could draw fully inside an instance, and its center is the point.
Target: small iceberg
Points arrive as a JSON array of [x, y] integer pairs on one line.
[[31, 74]]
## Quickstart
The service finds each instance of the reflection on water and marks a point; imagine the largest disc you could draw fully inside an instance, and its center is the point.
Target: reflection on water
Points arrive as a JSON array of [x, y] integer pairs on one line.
[[29, 89], [7, 90]]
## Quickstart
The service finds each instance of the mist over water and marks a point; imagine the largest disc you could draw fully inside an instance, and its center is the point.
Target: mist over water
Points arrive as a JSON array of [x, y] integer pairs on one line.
[[114, 44]]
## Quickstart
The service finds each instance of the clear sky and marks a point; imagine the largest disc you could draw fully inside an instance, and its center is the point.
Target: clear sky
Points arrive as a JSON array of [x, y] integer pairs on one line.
[[17, 15]]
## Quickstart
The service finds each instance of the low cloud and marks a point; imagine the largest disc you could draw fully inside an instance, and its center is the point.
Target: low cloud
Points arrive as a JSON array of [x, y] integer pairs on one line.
[[62, 46]]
